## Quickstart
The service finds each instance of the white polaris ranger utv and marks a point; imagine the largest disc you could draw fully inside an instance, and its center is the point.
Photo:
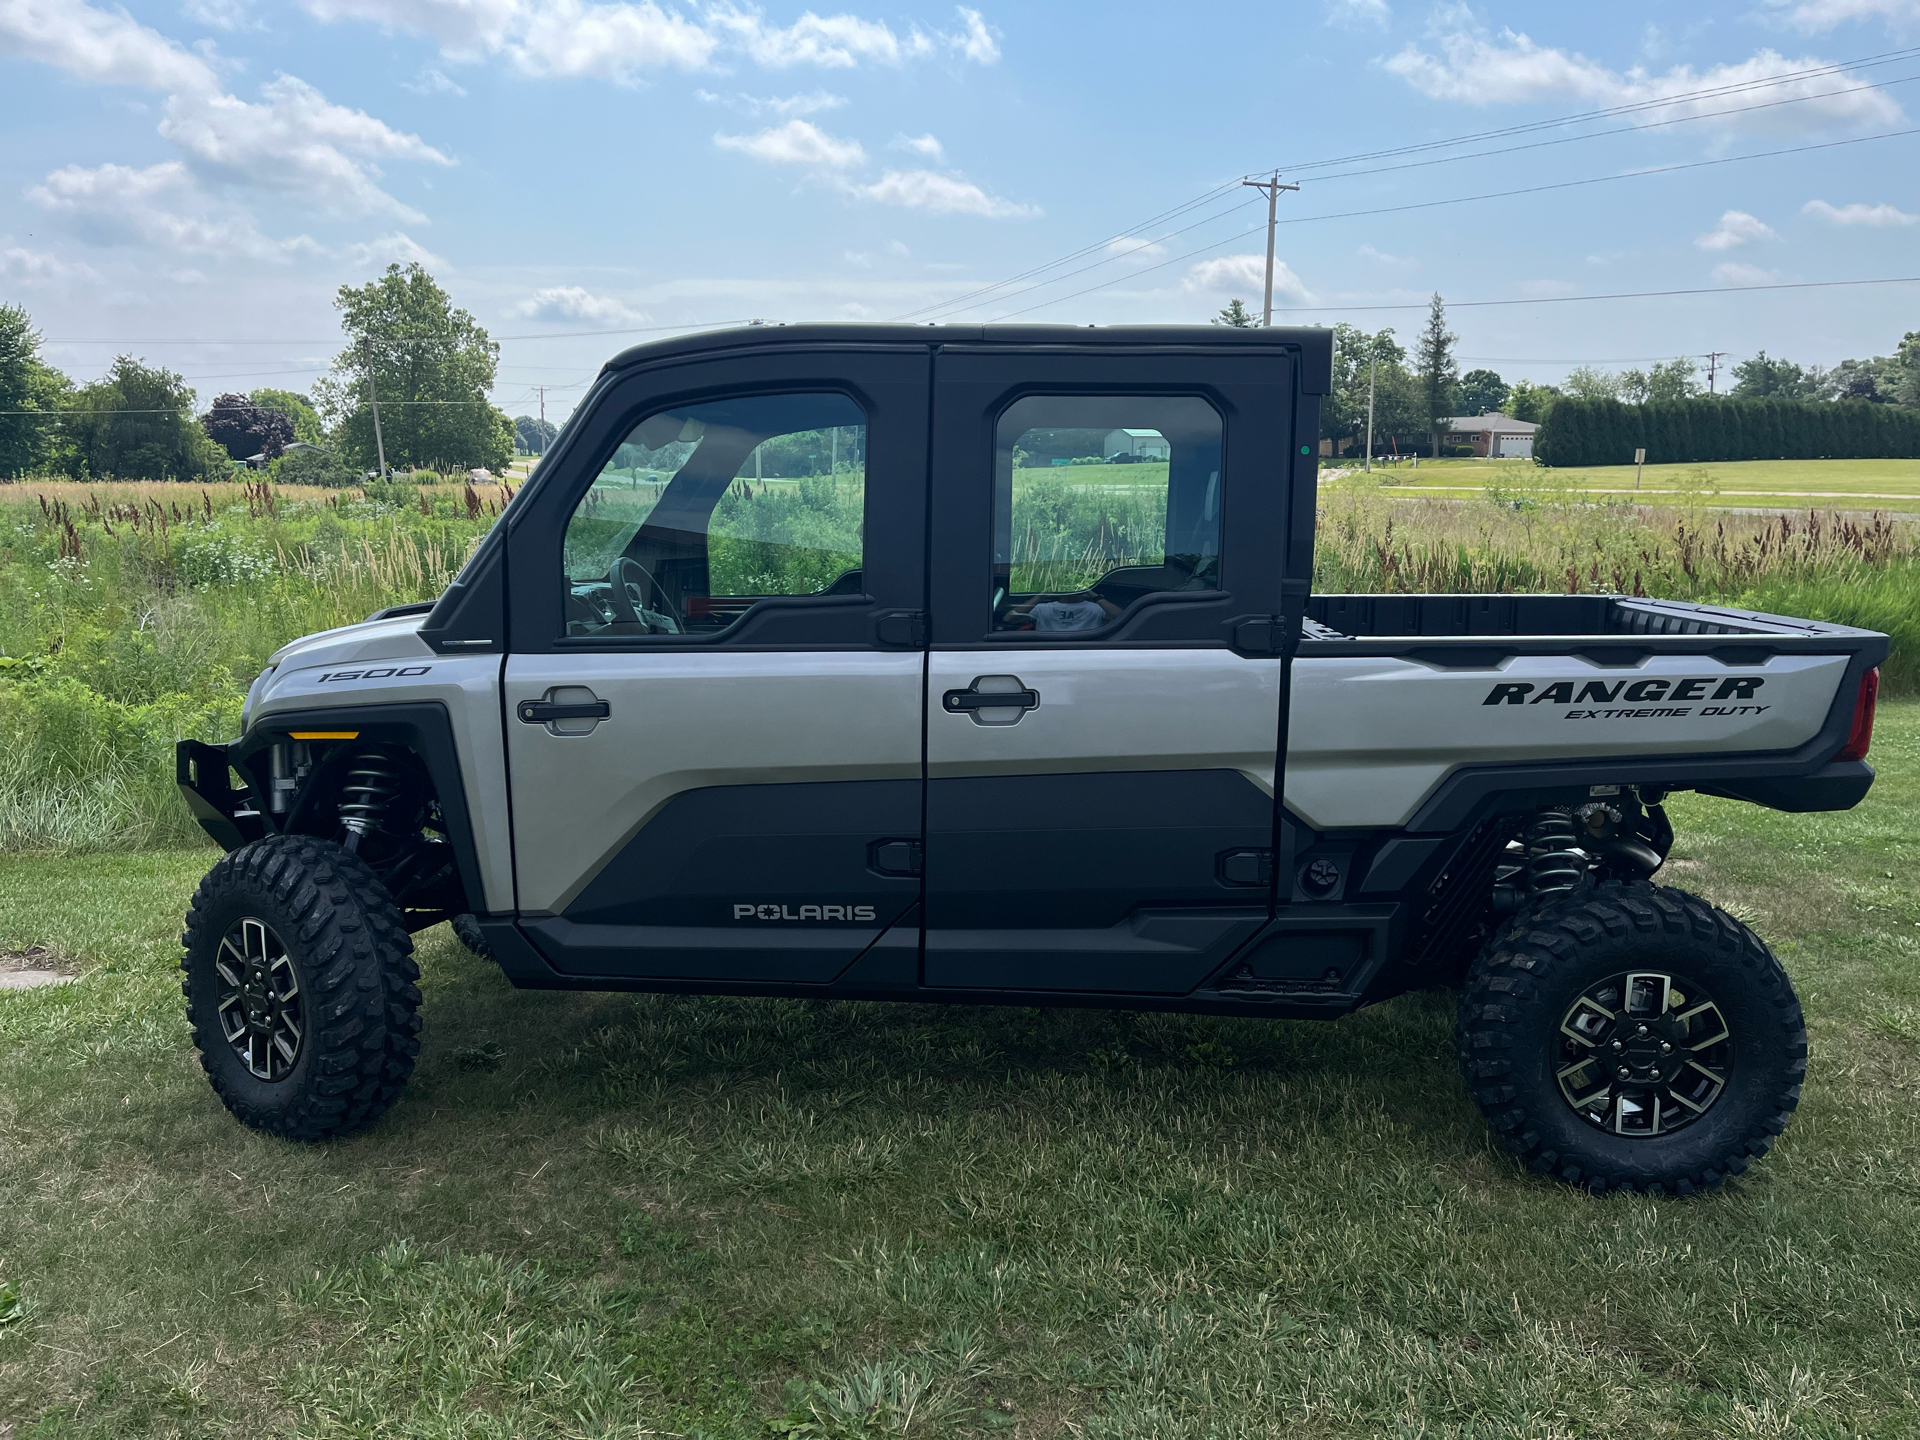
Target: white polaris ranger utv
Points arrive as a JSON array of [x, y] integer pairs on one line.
[[980, 664]]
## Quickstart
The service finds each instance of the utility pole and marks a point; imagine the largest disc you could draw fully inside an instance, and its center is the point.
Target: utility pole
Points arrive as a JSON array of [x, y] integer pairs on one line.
[[1714, 358], [1372, 362], [1271, 188], [373, 398], [543, 417]]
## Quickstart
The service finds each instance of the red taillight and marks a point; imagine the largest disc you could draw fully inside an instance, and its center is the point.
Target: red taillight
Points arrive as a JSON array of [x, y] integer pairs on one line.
[[1861, 736]]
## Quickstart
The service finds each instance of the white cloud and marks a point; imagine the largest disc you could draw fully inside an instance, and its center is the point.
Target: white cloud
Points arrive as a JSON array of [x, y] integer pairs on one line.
[[1815, 16], [811, 103], [1381, 257], [977, 41], [1244, 272], [571, 302], [1859, 213], [398, 248], [36, 269], [1358, 12], [102, 47], [922, 144], [940, 195], [835, 41], [1133, 247], [898, 247], [159, 206], [616, 41], [431, 81], [798, 142], [1736, 228], [222, 14], [293, 140], [1476, 68], [564, 38], [1732, 272], [297, 141]]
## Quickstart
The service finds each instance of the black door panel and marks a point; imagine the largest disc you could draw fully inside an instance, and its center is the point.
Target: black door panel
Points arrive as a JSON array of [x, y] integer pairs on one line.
[[746, 882], [1111, 880]]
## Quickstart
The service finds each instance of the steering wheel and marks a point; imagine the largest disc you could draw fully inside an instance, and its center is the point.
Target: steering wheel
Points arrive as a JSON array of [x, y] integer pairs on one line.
[[630, 587]]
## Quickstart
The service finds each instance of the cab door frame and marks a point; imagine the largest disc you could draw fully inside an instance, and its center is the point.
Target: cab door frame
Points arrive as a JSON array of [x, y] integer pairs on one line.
[[800, 724], [1204, 877]]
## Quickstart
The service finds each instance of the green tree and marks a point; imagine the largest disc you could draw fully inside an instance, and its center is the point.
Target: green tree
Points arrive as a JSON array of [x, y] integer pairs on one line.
[[297, 408], [1360, 358], [1439, 374], [28, 442], [1677, 379], [430, 366], [1482, 392], [1765, 378], [1237, 315], [1584, 382], [1531, 402], [534, 435], [136, 423]]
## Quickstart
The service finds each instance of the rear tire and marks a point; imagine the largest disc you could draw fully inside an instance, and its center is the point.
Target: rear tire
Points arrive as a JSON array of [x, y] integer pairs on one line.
[[1568, 1025], [300, 988]]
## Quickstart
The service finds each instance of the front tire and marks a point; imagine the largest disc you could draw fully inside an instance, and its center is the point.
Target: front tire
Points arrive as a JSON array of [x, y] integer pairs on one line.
[[1632, 1037], [300, 988]]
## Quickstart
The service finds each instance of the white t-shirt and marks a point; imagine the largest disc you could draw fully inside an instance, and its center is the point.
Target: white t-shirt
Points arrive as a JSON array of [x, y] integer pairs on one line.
[[1068, 615]]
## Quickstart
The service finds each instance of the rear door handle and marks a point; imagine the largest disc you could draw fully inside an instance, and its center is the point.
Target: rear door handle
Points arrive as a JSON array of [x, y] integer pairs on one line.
[[541, 712], [993, 700]]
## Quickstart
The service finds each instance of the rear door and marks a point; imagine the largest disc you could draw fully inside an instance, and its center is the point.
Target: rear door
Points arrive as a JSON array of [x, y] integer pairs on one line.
[[1103, 696], [714, 690]]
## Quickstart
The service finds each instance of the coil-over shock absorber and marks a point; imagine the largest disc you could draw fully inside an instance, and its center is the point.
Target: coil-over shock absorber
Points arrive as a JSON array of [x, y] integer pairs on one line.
[[1554, 859], [374, 780]]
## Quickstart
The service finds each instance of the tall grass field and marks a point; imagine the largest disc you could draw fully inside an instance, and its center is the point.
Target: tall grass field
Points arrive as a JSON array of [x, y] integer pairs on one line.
[[134, 614]]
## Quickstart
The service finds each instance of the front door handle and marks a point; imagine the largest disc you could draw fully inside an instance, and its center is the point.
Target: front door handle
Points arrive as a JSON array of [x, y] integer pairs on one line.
[[565, 710], [993, 700], [540, 712]]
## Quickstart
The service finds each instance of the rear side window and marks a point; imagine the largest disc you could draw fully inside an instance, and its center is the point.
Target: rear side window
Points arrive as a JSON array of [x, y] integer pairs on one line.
[[1100, 500], [706, 509]]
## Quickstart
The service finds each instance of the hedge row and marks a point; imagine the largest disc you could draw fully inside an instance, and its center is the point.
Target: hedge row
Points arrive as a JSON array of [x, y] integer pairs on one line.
[[1607, 432]]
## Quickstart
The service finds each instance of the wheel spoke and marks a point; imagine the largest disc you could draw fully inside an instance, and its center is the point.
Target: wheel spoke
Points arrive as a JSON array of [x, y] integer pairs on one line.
[[260, 1009], [1621, 1049]]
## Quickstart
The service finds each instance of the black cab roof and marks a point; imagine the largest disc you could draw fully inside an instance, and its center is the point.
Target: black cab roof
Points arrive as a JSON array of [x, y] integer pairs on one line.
[[1312, 343]]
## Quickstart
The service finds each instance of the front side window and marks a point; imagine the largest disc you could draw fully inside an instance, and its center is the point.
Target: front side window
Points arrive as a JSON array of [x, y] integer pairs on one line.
[[1100, 500], [706, 509]]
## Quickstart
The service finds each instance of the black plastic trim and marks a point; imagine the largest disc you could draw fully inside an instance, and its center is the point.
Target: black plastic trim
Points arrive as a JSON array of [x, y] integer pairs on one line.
[[421, 726]]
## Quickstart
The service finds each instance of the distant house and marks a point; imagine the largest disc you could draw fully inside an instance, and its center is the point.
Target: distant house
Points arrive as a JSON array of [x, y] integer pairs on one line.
[[1491, 435], [1139, 444]]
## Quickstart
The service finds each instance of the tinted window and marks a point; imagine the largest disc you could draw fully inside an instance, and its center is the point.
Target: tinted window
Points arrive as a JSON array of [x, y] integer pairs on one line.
[[1099, 501], [705, 509]]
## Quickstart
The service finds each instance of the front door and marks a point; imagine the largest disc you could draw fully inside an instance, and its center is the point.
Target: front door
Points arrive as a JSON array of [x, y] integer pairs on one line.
[[1103, 708], [714, 688]]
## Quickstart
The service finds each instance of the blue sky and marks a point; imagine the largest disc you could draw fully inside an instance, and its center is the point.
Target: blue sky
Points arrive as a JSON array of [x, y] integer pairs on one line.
[[182, 177]]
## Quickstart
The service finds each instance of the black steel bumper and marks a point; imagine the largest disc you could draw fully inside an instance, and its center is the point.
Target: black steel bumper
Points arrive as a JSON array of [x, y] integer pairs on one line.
[[205, 777]]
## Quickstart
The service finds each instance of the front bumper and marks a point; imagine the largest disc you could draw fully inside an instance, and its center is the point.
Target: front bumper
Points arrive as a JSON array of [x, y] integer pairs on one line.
[[205, 777]]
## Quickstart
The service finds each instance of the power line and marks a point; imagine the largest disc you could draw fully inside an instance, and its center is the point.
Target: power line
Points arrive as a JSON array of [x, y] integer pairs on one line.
[[1460, 200], [1617, 295], [1885, 57], [1603, 134], [1865, 62]]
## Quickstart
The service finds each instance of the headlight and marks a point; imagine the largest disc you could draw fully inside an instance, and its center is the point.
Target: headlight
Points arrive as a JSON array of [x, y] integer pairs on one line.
[[253, 695]]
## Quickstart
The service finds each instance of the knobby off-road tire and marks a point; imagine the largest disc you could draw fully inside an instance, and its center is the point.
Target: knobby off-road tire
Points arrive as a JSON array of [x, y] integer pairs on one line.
[[334, 1006], [1541, 972]]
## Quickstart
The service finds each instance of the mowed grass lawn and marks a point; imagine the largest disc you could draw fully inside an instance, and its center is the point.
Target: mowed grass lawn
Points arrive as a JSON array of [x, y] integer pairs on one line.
[[1756, 484], [619, 1216]]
